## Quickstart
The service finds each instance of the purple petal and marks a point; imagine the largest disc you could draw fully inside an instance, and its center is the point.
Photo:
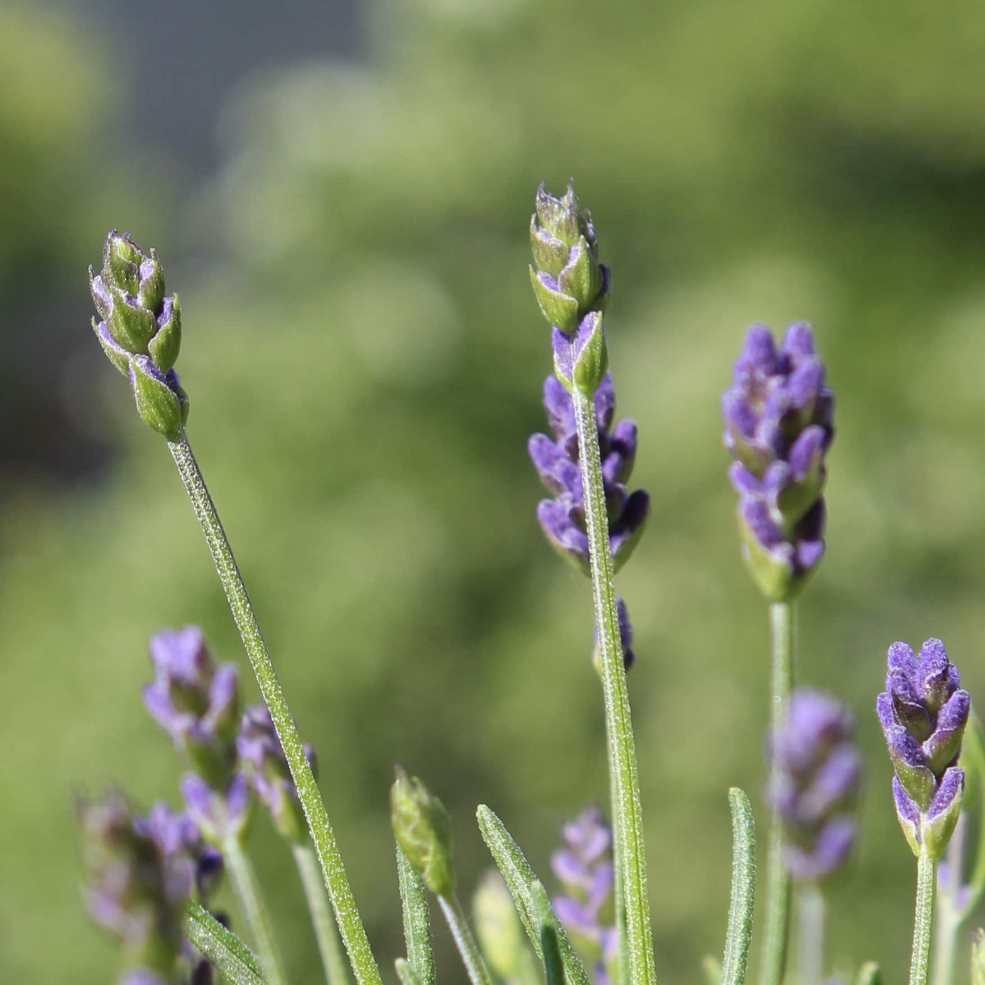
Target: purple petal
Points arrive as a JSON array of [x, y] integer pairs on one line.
[[950, 787]]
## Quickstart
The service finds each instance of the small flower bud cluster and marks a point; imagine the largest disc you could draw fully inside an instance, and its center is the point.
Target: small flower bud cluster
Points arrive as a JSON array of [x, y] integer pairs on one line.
[[265, 767], [778, 427], [584, 868], [816, 775], [423, 832], [135, 889], [923, 713], [571, 287], [139, 328]]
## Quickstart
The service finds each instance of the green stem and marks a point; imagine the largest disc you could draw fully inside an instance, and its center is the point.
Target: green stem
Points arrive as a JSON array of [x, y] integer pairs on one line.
[[330, 858], [810, 945], [636, 935], [458, 924], [742, 899], [332, 959], [777, 916], [248, 892], [923, 919], [417, 920]]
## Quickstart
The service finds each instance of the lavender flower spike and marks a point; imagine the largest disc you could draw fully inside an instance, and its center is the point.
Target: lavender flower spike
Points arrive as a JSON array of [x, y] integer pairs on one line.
[[586, 908], [135, 890], [815, 783], [571, 287], [267, 772], [923, 713], [139, 328], [195, 702], [778, 428]]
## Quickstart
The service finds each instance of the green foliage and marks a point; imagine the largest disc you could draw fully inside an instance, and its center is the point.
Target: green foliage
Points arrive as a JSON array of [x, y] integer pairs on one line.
[[365, 332]]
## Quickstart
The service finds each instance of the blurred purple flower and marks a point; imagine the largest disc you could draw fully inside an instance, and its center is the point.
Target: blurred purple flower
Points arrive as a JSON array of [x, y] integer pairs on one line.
[[816, 776], [778, 428], [585, 870]]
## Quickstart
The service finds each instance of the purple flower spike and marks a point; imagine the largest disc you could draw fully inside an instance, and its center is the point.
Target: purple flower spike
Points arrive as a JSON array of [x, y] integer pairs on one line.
[[923, 713], [584, 869], [778, 427], [177, 836], [195, 702], [268, 774], [135, 890], [817, 772]]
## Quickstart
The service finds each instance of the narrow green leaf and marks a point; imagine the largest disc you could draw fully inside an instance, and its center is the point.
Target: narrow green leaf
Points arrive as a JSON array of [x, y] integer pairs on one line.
[[230, 956], [553, 965], [743, 895], [415, 905], [519, 876]]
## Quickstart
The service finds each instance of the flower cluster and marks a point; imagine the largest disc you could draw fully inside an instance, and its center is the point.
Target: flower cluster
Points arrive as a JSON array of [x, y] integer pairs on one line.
[[815, 781], [923, 713], [139, 328], [778, 427], [584, 868]]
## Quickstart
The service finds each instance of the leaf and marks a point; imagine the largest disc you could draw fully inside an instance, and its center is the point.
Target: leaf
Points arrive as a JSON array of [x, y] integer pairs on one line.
[[230, 956]]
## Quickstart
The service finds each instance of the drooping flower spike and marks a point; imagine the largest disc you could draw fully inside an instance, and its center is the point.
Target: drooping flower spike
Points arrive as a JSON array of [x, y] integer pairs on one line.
[[139, 328], [815, 782], [778, 427], [923, 713]]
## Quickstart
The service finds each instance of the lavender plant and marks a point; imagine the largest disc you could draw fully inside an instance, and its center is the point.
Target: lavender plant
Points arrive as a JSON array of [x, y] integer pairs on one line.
[[151, 877]]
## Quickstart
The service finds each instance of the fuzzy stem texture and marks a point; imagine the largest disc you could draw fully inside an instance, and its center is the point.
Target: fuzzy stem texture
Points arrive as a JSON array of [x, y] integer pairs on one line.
[[636, 943], [810, 946], [330, 858], [458, 924], [332, 958], [774, 956], [923, 918], [248, 893], [743, 893]]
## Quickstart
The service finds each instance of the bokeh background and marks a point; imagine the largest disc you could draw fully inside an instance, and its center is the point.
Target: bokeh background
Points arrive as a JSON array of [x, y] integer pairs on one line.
[[341, 195]]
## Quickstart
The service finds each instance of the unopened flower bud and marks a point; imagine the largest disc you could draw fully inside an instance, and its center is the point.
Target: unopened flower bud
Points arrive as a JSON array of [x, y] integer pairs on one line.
[[421, 827]]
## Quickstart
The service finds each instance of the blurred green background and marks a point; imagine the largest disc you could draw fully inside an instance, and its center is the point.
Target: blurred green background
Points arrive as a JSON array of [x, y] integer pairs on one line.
[[364, 362]]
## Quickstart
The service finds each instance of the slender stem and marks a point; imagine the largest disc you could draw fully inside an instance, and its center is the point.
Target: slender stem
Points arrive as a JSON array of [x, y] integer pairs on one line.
[[923, 919], [636, 935], [417, 920], [248, 892], [330, 858], [475, 963], [810, 946], [777, 916], [332, 959]]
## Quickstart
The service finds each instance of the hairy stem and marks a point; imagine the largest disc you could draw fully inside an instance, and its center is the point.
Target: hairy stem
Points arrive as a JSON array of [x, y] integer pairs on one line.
[[636, 936], [332, 959], [224, 950], [810, 944], [475, 963], [329, 857], [743, 894], [923, 919], [777, 916], [248, 893], [417, 920]]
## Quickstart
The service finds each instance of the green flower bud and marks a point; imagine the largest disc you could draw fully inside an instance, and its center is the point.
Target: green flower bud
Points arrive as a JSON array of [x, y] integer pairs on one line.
[[500, 932], [421, 827], [160, 400]]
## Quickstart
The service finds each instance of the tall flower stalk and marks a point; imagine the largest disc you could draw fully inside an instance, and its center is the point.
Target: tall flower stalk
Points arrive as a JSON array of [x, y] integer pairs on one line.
[[778, 427], [139, 331], [571, 287]]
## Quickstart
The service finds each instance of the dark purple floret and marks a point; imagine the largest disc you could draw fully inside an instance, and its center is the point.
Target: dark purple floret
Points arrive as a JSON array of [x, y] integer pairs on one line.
[[584, 869], [134, 889], [778, 427], [195, 701], [923, 713], [816, 776], [177, 836], [266, 767]]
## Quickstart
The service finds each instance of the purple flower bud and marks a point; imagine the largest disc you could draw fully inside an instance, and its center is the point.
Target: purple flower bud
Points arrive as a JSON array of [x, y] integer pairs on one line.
[[268, 774], [817, 772], [219, 814], [134, 889], [196, 702], [177, 836], [778, 427], [584, 869], [923, 713]]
